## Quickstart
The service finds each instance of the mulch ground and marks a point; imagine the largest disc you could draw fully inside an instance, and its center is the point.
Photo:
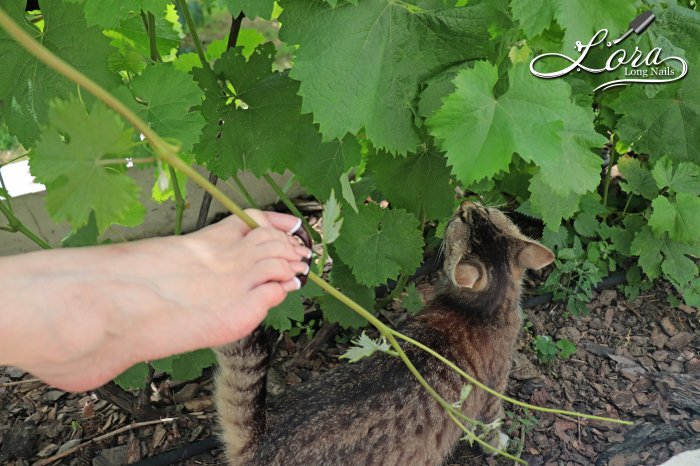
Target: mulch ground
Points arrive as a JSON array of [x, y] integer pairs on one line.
[[636, 360]]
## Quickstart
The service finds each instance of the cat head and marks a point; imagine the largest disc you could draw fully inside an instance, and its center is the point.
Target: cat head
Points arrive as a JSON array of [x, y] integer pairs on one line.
[[483, 248]]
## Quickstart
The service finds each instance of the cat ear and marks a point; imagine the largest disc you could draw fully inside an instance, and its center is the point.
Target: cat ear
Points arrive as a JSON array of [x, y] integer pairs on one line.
[[466, 275], [534, 256]]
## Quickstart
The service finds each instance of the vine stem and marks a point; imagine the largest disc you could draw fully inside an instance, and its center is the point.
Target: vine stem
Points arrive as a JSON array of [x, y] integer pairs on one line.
[[390, 333], [168, 152], [17, 226], [244, 192], [179, 201], [290, 205], [608, 172], [182, 6], [150, 25]]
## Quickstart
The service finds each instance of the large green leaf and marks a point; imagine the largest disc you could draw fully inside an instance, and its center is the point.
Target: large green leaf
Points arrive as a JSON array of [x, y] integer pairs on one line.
[[580, 19], [27, 85], [70, 160], [667, 124], [261, 127], [251, 8], [419, 183], [165, 98], [360, 66], [378, 244], [679, 217]]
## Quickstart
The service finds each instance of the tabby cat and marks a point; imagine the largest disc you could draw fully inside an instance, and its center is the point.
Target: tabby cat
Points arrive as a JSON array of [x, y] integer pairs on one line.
[[374, 411]]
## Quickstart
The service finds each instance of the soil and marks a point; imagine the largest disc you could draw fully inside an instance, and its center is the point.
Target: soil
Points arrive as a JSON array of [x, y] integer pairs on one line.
[[635, 360]]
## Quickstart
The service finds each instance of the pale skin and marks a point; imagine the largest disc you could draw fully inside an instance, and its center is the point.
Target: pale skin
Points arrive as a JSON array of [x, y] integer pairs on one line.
[[76, 318]]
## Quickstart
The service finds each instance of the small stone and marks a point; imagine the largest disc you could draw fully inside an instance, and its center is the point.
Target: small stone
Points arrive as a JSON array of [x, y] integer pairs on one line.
[[596, 324], [196, 432], [609, 314], [693, 366], [676, 367], [112, 456], [624, 400], [660, 356], [198, 405], [695, 425], [687, 309], [624, 459], [19, 441], [658, 338], [14, 372], [48, 450], [569, 333], [607, 297], [292, 379], [680, 340], [52, 396], [69, 444], [523, 369], [668, 326], [158, 436], [186, 393]]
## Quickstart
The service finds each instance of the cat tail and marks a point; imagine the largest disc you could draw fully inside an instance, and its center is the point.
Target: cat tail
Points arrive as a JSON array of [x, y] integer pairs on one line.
[[240, 396]]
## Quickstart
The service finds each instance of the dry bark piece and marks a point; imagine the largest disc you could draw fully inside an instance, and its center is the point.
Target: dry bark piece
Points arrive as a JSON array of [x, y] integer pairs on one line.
[[679, 340], [668, 326]]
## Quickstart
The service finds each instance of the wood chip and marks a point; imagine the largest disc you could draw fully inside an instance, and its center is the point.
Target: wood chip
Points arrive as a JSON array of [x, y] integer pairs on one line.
[[668, 326]]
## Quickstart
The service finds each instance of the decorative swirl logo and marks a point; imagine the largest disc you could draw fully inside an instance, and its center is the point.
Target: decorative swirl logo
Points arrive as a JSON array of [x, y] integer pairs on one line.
[[633, 63]]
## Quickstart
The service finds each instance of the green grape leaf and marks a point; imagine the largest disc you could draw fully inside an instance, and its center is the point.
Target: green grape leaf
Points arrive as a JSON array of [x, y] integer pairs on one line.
[[332, 221], [418, 183], [691, 292], [130, 34], [412, 301], [638, 179], [680, 217], [647, 123], [67, 159], [677, 265], [165, 97], [347, 191], [534, 16], [85, 236], [396, 45], [108, 13], [437, 88], [621, 238], [685, 178], [549, 205], [262, 128], [648, 248], [280, 317], [364, 347], [134, 377], [333, 310], [186, 366], [586, 224], [580, 19], [27, 86], [251, 8], [534, 118], [323, 167], [379, 244]]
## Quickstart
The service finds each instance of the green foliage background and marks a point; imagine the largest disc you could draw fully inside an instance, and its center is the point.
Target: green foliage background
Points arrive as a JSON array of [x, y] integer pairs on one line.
[[390, 99]]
